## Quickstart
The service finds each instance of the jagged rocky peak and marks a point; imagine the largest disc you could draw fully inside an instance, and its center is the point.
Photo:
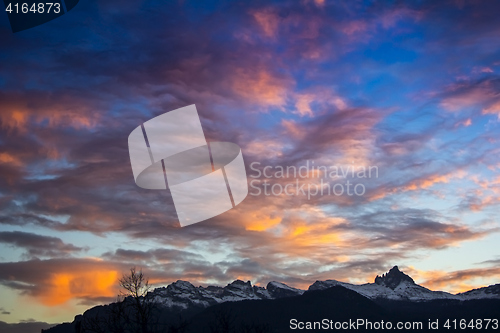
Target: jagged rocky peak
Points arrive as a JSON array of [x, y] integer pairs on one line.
[[243, 289], [238, 284], [393, 278]]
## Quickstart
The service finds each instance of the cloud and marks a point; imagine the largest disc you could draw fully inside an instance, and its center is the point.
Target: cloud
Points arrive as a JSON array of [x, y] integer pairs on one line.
[[268, 21], [340, 84], [94, 281], [481, 94], [410, 229], [454, 281], [65, 109], [349, 132], [59, 280], [23, 327], [323, 99], [427, 181], [492, 262], [37, 245], [261, 87]]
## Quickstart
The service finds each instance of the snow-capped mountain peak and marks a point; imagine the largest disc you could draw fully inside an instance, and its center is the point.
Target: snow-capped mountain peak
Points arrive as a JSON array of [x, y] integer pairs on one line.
[[182, 294], [393, 278], [393, 285]]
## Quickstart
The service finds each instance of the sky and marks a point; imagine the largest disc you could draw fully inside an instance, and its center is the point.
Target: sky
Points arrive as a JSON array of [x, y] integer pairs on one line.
[[409, 88]]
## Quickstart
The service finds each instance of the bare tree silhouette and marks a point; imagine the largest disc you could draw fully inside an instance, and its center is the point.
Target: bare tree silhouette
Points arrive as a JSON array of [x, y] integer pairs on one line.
[[135, 311], [136, 285]]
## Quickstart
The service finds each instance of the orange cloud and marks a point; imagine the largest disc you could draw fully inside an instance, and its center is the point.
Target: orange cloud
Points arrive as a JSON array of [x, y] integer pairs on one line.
[[487, 195], [303, 104], [480, 204], [17, 111], [428, 182], [302, 234], [417, 184], [319, 3], [65, 286], [9, 158], [431, 180], [262, 223], [264, 148], [261, 87], [293, 128], [321, 96], [493, 109], [58, 281]]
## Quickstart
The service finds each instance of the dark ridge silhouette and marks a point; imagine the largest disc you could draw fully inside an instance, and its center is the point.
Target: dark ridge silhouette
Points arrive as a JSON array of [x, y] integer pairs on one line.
[[240, 307]]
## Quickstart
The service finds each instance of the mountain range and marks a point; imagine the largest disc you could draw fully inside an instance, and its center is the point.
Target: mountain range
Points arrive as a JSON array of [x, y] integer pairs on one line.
[[394, 285], [393, 295]]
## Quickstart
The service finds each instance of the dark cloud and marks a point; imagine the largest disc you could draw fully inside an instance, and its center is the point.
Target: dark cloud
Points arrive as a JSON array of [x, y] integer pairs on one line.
[[23, 327], [439, 279], [37, 245], [493, 262], [415, 228], [158, 257]]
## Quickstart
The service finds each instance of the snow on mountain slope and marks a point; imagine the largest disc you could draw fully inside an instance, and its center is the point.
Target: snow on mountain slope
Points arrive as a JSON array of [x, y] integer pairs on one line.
[[182, 294], [394, 285], [492, 291], [404, 291], [279, 290]]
